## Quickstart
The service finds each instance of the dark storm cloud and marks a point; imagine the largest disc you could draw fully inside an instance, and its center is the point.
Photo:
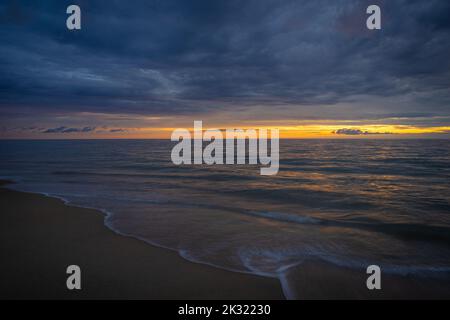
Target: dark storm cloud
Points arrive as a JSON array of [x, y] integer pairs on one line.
[[356, 132], [118, 130], [183, 57], [63, 129]]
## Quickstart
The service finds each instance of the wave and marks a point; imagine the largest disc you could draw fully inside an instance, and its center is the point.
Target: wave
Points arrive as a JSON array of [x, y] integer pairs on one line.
[[282, 271], [323, 202], [284, 217], [407, 231]]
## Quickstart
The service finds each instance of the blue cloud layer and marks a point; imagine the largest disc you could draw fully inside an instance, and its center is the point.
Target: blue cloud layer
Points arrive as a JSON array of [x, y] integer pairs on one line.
[[187, 57]]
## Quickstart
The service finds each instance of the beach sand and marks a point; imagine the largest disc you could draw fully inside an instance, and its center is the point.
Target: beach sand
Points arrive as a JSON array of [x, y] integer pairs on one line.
[[319, 280], [41, 236]]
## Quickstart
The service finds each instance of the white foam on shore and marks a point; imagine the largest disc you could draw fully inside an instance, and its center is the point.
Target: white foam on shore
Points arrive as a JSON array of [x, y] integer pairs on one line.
[[280, 272]]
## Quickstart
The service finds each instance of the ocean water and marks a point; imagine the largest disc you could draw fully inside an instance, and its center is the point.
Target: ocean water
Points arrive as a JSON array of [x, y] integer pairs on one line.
[[347, 202]]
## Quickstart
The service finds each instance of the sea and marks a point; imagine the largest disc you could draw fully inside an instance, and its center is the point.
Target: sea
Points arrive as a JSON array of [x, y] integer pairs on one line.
[[350, 203]]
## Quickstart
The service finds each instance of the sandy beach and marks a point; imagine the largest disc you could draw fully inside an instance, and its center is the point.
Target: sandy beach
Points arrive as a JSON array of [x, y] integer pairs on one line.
[[41, 236], [316, 280]]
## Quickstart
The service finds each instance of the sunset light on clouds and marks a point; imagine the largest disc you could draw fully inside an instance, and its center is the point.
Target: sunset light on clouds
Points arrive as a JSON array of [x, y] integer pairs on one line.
[[311, 71]]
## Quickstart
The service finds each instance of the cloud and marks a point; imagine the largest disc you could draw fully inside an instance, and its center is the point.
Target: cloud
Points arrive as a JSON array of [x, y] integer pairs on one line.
[[356, 132], [178, 57], [118, 130], [69, 130]]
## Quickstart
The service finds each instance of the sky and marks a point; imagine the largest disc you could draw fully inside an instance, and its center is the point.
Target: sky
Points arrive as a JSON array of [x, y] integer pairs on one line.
[[139, 69]]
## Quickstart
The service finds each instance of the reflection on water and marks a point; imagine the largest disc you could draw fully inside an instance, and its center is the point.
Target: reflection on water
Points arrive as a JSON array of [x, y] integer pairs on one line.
[[351, 203]]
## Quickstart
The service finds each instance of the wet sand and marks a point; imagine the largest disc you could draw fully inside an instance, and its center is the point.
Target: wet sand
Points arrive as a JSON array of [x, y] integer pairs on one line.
[[41, 236], [319, 280]]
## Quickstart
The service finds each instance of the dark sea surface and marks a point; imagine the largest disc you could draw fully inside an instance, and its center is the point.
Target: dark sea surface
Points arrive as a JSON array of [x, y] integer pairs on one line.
[[347, 202]]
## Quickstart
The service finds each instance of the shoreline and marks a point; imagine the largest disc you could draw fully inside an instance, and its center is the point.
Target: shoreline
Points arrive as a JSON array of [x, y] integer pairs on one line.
[[84, 230], [41, 236], [6, 184]]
